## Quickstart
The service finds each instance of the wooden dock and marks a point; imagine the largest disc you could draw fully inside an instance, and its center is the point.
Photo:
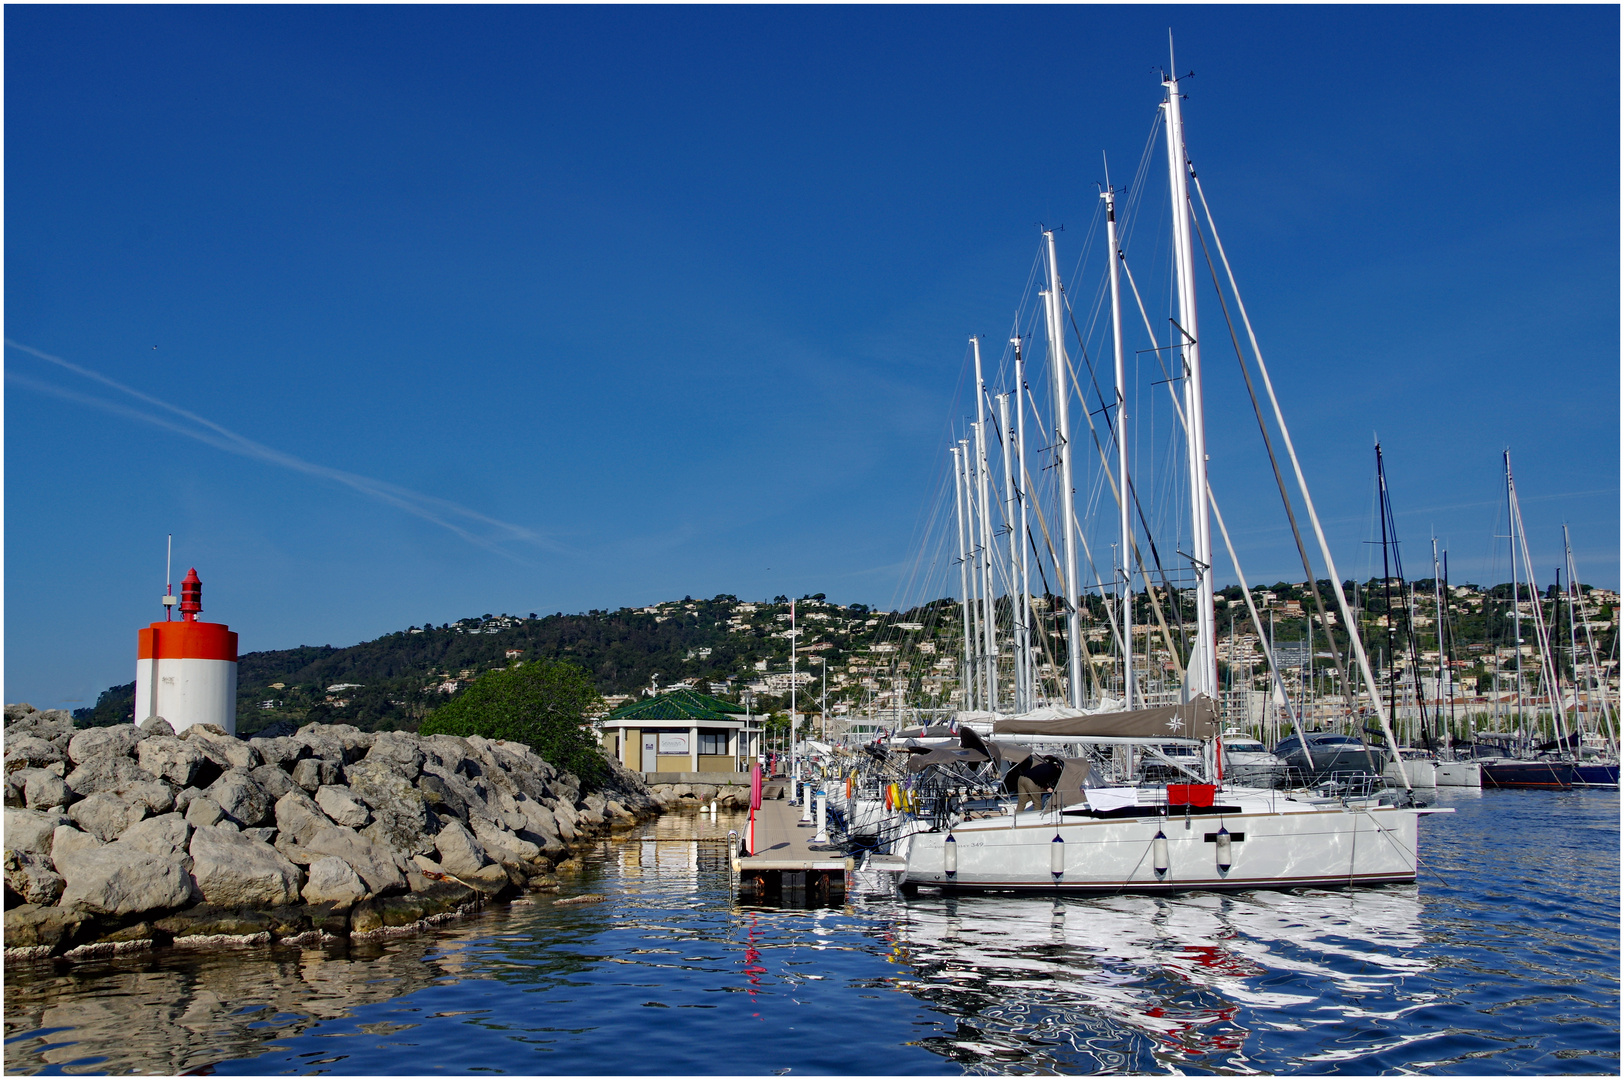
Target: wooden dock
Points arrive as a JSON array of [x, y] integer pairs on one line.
[[785, 869]]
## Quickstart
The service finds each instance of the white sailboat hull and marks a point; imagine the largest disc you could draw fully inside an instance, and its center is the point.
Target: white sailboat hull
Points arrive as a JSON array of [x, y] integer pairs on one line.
[[1299, 845], [1423, 772], [1459, 774]]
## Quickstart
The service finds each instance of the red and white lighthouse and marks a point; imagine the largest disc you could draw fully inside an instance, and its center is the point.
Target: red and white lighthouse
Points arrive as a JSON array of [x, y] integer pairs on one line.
[[186, 671]]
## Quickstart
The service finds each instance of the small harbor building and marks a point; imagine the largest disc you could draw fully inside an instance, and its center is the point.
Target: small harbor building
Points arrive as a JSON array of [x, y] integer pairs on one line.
[[683, 731]]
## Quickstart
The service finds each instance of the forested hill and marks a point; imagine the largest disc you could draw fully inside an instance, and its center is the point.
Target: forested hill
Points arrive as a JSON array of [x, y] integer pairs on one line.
[[395, 680]]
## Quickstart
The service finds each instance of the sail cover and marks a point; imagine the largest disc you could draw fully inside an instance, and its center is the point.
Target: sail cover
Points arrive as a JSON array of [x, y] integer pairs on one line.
[[1197, 719]]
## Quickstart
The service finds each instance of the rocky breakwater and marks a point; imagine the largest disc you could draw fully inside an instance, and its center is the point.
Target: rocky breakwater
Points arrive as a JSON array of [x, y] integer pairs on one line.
[[127, 838]]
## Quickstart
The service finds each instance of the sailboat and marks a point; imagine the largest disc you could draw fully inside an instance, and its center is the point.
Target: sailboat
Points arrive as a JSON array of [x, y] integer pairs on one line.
[[1091, 827]]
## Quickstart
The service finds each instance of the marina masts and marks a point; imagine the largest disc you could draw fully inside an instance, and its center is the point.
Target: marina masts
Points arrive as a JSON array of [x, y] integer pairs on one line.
[[1057, 356], [1203, 666], [1023, 629], [984, 506], [1018, 675], [1124, 524], [964, 576]]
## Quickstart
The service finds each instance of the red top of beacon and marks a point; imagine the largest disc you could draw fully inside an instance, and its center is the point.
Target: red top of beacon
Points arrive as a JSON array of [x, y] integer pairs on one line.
[[191, 596]]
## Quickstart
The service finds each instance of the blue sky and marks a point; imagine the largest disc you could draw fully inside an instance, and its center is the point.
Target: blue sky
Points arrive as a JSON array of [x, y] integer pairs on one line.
[[538, 309]]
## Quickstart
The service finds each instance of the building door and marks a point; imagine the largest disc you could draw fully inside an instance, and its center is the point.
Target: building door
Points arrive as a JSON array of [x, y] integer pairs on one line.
[[650, 749]]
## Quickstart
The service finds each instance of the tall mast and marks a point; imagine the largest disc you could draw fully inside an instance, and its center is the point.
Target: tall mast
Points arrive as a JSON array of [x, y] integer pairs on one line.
[[1062, 423], [1443, 657], [964, 574], [1542, 641], [972, 643], [989, 613], [1124, 525], [1516, 606], [1203, 667], [1014, 545], [1023, 640]]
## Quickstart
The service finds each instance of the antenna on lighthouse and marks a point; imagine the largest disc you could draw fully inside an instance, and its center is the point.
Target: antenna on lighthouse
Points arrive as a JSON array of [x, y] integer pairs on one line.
[[169, 583]]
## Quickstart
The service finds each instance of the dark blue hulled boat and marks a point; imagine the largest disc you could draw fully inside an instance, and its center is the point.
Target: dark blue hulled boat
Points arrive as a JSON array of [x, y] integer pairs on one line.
[[1512, 773], [1595, 775]]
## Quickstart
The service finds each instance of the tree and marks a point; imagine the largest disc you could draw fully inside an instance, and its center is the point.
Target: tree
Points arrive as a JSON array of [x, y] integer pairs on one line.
[[542, 704]]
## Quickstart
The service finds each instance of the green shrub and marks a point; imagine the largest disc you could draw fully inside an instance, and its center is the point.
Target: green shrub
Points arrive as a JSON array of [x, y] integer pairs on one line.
[[542, 703]]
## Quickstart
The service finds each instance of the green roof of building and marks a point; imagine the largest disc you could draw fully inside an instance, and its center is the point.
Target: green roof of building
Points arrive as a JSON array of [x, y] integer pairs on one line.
[[680, 704]]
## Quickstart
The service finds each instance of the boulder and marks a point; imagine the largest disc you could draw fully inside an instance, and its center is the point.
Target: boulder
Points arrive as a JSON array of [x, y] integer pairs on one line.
[[105, 815], [32, 877], [43, 789], [399, 751], [332, 880], [298, 817], [176, 760], [400, 816], [18, 711], [264, 834], [30, 752], [224, 750], [161, 835], [440, 797], [103, 742], [155, 795], [340, 805], [240, 798], [156, 727], [460, 851], [375, 865], [67, 845], [213, 920], [312, 772], [31, 926], [233, 870], [203, 812], [30, 830], [501, 844], [273, 781], [337, 742], [106, 774], [281, 752], [121, 880]]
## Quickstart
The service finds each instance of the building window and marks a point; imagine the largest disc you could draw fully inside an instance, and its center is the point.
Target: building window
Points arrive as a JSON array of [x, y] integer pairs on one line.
[[713, 743]]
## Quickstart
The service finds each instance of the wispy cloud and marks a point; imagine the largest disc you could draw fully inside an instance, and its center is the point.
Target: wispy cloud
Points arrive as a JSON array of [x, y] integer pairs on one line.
[[441, 512]]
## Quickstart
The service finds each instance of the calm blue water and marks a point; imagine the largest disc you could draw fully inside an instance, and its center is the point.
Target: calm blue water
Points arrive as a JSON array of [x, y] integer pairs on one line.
[[1503, 959]]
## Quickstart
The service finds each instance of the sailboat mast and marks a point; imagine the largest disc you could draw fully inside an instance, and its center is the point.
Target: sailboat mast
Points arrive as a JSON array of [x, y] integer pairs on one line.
[[1444, 670], [1023, 641], [1062, 422], [989, 611], [964, 574], [1516, 605], [1124, 524], [1203, 667], [1014, 543]]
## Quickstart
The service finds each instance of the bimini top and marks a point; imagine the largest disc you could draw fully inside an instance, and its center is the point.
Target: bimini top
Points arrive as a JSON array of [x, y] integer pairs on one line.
[[1197, 719]]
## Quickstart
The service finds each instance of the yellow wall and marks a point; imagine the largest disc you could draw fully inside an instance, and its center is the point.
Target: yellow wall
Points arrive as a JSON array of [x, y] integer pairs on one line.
[[717, 763], [674, 763]]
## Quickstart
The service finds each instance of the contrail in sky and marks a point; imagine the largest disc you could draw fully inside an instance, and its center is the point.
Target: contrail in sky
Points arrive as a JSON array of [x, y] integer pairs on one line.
[[427, 507]]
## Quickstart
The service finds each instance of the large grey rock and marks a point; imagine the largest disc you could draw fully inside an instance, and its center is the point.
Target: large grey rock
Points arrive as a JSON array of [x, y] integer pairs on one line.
[[400, 816], [441, 797], [298, 818], [105, 815], [240, 798], [68, 844], [163, 835], [312, 772], [336, 742], [502, 845], [156, 727], [32, 877], [226, 751], [333, 881], [233, 870], [42, 789], [340, 805], [121, 880], [30, 830], [375, 865], [103, 742], [17, 711], [203, 813], [30, 752], [155, 795], [176, 760], [459, 851], [54, 726], [281, 752], [273, 780], [106, 774], [398, 750]]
